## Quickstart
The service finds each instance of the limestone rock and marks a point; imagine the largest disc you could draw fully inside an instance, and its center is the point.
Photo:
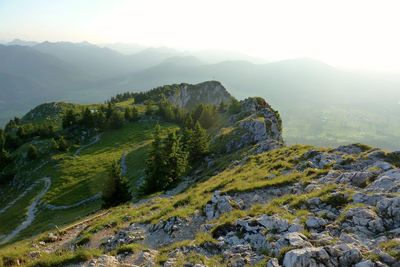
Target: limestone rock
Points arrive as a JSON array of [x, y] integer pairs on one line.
[[310, 256], [315, 222], [339, 255], [273, 263], [386, 182], [219, 204], [257, 124], [356, 178], [389, 209], [104, 261], [273, 223], [365, 220]]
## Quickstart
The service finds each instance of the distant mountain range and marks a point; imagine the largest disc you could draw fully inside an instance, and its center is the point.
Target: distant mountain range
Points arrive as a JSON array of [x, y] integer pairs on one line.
[[31, 73]]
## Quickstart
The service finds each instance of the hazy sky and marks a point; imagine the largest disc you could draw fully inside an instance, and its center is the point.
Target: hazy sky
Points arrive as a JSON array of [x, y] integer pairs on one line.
[[349, 33]]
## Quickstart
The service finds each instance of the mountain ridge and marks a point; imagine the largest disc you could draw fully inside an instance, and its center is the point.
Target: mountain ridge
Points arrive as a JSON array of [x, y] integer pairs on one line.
[[252, 200]]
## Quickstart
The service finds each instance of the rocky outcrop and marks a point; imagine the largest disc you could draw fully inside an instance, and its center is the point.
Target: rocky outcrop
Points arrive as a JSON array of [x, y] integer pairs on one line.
[[189, 95], [256, 124]]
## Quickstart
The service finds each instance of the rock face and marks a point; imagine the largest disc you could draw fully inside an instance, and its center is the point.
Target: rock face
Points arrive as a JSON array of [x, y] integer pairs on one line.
[[188, 95], [256, 124]]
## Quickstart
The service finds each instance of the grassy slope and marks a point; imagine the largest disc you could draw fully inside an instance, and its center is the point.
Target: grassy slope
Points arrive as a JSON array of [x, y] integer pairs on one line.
[[77, 178]]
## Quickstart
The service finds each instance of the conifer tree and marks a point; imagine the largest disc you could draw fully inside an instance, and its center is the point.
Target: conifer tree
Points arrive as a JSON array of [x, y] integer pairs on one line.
[[176, 160], [205, 114], [166, 162], [87, 119], [69, 119], [135, 114], [188, 122], [199, 144], [155, 164], [116, 189], [100, 121], [109, 110], [128, 114]]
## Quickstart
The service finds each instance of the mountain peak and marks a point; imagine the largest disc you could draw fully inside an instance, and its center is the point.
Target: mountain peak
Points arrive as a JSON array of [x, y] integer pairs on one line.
[[208, 92]]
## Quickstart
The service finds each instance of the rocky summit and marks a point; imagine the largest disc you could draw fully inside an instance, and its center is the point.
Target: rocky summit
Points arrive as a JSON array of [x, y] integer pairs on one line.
[[189, 95], [250, 201]]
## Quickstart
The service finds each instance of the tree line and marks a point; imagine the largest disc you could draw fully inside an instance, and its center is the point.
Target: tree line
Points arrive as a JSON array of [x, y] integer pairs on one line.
[[105, 117]]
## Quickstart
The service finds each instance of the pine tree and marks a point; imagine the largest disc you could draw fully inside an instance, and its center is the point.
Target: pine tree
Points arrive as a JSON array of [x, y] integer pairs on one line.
[[176, 160], [189, 123], [116, 189], [166, 162], [200, 143], [69, 119], [155, 164], [100, 121], [32, 152], [128, 114], [205, 114], [134, 114], [87, 119], [109, 110]]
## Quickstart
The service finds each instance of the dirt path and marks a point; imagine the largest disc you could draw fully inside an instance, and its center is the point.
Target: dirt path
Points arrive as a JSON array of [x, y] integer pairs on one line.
[[2, 210], [79, 150], [31, 214], [77, 204]]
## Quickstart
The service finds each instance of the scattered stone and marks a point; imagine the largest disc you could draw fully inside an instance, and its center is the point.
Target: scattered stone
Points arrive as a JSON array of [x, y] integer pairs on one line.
[[316, 223]]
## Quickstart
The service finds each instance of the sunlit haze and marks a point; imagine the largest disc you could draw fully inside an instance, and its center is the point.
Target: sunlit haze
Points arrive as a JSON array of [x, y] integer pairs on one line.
[[355, 34]]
